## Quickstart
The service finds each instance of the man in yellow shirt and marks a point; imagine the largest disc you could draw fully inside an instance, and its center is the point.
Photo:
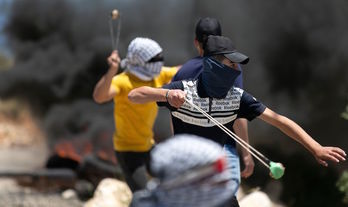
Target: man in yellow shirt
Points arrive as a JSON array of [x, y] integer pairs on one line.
[[133, 138]]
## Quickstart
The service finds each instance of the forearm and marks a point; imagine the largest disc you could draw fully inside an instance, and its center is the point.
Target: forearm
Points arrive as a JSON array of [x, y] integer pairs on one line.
[[322, 154], [294, 131], [147, 94], [101, 91], [291, 129]]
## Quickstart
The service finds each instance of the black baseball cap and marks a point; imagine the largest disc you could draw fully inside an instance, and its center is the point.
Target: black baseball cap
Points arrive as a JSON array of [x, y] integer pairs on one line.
[[207, 26], [220, 45]]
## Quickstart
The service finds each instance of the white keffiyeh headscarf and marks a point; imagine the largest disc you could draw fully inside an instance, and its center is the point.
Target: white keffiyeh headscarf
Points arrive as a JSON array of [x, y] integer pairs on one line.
[[140, 51], [185, 169]]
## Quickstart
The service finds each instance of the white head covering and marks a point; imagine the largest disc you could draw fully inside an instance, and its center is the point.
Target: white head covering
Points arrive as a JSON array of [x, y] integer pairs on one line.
[[188, 173], [140, 51]]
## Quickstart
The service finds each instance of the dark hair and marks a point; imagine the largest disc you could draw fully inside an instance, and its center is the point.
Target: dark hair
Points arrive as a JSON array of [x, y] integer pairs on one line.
[[205, 27], [219, 58]]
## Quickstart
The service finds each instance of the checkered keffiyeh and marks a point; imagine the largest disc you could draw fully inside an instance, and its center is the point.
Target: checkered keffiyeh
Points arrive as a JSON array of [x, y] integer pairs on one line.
[[182, 153], [141, 50], [180, 156]]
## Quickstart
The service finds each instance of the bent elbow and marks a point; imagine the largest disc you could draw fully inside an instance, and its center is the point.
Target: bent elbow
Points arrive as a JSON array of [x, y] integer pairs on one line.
[[98, 98]]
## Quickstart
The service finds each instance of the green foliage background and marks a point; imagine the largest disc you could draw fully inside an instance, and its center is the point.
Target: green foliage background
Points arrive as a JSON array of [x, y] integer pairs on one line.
[[345, 113], [342, 185]]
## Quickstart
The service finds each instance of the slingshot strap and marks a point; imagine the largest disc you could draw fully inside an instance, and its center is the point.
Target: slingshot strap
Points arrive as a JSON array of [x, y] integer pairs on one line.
[[118, 31], [240, 141], [112, 34]]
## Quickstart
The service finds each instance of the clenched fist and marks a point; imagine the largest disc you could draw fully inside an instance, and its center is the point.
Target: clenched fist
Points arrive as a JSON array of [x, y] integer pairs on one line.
[[176, 97]]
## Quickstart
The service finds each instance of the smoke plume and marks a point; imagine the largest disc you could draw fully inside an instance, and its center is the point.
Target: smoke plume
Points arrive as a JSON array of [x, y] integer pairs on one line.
[[298, 50]]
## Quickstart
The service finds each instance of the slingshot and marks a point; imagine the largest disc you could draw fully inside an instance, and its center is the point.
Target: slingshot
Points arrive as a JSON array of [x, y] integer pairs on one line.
[[276, 168], [115, 15]]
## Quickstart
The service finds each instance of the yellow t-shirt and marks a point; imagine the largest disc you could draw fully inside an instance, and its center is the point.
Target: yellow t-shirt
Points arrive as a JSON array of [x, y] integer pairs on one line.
[[134, 122]]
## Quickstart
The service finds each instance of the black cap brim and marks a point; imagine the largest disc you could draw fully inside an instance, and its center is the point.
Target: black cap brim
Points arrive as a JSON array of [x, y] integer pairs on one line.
[[237, 57]]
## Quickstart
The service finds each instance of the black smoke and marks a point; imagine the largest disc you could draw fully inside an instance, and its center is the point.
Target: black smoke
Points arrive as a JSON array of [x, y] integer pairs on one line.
[[60, 49], [298, 50], [60, 53], [58, 58]]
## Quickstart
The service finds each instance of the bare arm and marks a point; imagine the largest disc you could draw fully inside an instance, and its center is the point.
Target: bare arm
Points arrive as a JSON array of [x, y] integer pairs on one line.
[[147, 94], [103, 91], [293, 130], [240, 127]]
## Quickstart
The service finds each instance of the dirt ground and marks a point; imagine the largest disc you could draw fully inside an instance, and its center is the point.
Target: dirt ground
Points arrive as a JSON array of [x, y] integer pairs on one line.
[[13, 195]]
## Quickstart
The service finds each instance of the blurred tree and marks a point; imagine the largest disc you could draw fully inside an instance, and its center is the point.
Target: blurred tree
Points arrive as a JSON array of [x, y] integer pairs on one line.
[[345, 113], [342, 185], [5, 62]]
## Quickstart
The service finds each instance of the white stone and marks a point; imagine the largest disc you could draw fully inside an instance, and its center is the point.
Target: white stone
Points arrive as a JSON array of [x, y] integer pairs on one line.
[[257, 198], [110, 193], [69, 194]]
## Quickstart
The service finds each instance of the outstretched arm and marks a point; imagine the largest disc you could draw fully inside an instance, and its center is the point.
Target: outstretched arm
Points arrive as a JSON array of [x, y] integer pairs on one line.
[[293, 130], [103, 91], [146, 94]]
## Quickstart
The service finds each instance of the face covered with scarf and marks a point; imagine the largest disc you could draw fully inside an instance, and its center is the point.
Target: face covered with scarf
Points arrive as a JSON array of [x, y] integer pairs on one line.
[[220, 66], [217, 78], [144, 58]]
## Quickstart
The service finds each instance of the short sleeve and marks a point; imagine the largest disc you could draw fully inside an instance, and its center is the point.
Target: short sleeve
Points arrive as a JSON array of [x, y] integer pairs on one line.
[[116, 84], [167, 74], [250, 107]]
